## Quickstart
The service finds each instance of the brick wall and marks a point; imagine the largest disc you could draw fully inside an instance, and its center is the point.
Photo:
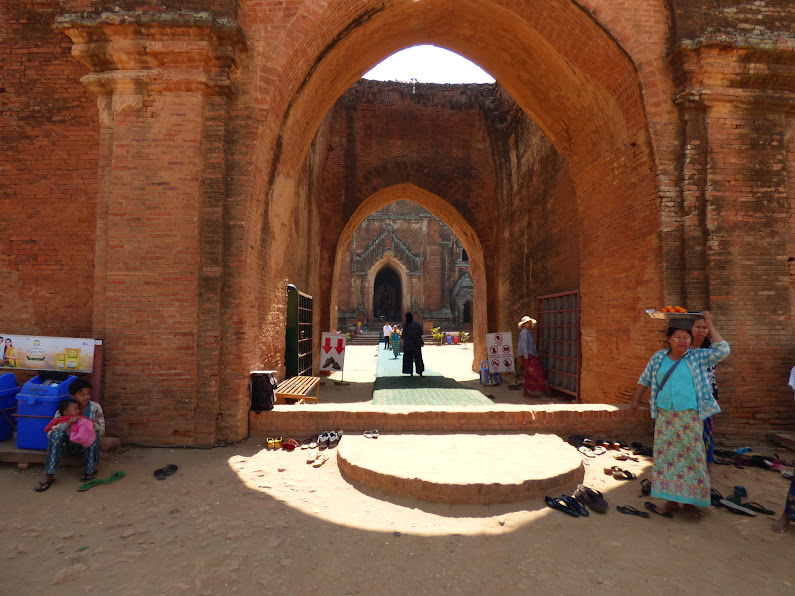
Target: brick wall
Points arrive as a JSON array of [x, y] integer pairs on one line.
[[675, 200], [49, 137]]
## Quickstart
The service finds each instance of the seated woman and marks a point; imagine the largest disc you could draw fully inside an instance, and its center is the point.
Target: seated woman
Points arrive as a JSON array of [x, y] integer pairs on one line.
[[681, 398], [58, 438]]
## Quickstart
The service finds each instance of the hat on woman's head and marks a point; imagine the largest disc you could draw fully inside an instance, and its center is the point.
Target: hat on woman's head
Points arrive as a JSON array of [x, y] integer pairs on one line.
[[526, 319]]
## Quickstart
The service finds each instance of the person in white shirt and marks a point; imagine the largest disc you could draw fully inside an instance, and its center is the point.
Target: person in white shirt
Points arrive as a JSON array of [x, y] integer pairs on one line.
[[387, 333]]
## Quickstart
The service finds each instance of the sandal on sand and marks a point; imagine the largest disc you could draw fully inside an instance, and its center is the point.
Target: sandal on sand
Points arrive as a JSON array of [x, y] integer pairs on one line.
[[735, 508], [654, 509], [715, 497], [591, 497], [87, 477], [621, 474], [625, 457], [645, 487], [312, 457], [91, 484], [559, 504], [44, 485], [320, 461], [170, 469], [575, 505], [115, 477], [758, 507], [588, 452], [160, 474], [629, 510], [313, 442]]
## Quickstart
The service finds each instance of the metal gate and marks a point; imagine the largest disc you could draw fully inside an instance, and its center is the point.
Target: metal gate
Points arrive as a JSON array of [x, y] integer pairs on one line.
[[559, 341], [298, 344]]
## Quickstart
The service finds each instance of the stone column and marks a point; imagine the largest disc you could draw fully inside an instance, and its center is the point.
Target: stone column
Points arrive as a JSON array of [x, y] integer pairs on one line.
[[163, 84]]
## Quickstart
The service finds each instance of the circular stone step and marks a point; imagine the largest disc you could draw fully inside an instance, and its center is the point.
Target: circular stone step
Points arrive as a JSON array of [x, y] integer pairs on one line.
[[462, 468]]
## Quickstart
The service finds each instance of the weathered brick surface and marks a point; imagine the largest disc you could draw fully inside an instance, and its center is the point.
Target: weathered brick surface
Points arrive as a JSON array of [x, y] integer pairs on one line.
[[663, 176]]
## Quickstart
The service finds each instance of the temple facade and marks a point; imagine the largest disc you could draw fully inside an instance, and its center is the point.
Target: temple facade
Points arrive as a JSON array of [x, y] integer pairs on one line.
[[403, 258]]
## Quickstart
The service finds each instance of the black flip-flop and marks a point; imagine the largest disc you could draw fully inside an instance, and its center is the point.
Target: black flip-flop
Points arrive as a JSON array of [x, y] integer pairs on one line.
[[44, 485], [575, 505], [653, 508], [559, 504], [715, 497], [629, 510], [758, 507], [160, 474], [645, 487], [170, 469]]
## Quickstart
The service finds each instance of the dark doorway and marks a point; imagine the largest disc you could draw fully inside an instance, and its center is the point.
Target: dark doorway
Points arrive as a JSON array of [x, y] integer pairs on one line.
[[387, 295], [467, 313]]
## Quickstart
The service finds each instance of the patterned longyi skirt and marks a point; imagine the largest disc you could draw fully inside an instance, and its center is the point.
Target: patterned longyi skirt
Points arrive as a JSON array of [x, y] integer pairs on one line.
[[680, 465]]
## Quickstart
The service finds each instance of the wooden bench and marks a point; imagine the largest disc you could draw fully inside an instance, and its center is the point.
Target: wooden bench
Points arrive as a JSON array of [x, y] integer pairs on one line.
[[296, 390]]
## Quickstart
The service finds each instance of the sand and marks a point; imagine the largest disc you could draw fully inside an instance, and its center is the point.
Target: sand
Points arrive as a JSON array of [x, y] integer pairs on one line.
[[240, 519]]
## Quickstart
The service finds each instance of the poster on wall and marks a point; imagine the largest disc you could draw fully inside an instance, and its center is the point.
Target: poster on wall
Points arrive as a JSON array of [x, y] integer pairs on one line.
[[500, 350], [37, 352], [332, 352]]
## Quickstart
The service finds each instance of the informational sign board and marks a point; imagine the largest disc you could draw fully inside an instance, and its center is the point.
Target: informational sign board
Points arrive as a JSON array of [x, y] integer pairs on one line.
[[500, 350], [68, 354], [332, 352]]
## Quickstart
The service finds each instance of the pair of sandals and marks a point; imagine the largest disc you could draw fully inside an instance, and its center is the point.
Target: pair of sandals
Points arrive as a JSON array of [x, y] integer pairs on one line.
[[169, 470], [371, 434], [630, 510], [317, 459], [567, 504], [734, 504], [619, 473], [591, 498], [592, 451]]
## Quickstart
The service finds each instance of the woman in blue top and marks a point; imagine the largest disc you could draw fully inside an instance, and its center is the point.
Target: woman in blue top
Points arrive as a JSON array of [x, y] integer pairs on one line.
[[681, 398]]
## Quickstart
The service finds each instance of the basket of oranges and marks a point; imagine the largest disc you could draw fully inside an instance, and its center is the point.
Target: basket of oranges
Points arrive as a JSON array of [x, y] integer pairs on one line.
[[672, 312]]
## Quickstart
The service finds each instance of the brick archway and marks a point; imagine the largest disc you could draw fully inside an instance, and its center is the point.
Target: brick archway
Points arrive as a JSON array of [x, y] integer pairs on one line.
[[591, 111], [450, 216]]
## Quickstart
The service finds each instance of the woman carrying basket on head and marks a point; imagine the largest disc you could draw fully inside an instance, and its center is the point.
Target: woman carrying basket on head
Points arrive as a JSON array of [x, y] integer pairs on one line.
[[681, 398]]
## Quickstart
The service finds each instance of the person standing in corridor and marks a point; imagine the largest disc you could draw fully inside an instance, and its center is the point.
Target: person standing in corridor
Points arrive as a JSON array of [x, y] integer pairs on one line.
[[412, 346], [387, 332]]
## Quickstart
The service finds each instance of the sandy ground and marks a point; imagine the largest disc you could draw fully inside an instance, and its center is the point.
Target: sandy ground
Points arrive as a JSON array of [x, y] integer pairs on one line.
[[240, 519]]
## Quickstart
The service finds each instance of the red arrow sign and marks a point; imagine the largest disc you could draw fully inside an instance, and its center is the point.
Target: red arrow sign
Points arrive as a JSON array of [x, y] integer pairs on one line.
[[327, 345], [339, 346]]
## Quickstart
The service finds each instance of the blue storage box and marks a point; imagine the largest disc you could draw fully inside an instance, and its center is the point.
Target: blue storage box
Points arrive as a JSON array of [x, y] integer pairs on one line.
[[8, 404], [37, 403]]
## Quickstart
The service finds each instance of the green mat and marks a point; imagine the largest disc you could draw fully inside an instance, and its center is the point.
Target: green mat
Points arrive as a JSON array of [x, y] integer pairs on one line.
[[393, 388]]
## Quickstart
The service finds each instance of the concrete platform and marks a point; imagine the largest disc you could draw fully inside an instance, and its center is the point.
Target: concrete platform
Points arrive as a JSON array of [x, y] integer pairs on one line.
[[462, 468]]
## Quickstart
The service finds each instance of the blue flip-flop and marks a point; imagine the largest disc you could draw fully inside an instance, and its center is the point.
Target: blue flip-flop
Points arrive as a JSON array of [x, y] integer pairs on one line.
[[559, 504]]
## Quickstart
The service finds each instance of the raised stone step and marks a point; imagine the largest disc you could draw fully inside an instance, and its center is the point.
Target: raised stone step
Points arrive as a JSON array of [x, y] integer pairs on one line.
[[462, 468]]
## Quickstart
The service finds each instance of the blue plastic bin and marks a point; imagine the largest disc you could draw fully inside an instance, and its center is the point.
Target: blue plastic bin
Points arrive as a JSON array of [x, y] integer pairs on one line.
[[36, 406], [8, 405]]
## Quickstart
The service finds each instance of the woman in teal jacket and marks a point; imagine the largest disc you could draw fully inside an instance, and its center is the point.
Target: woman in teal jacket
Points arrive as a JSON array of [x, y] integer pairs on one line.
[[681, 399]]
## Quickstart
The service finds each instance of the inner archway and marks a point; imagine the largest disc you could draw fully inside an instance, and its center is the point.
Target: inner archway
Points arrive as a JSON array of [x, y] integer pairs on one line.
[[387, 295]]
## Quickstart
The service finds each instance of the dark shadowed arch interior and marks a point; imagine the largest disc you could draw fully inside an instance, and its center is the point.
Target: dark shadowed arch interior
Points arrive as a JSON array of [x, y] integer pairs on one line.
[[387, 295]]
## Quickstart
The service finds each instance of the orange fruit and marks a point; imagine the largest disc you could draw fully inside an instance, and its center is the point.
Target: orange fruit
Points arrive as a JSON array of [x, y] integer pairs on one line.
[[668, 309]]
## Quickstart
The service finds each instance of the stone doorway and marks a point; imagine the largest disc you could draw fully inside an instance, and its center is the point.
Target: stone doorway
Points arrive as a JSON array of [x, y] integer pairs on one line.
[[387, 295]]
